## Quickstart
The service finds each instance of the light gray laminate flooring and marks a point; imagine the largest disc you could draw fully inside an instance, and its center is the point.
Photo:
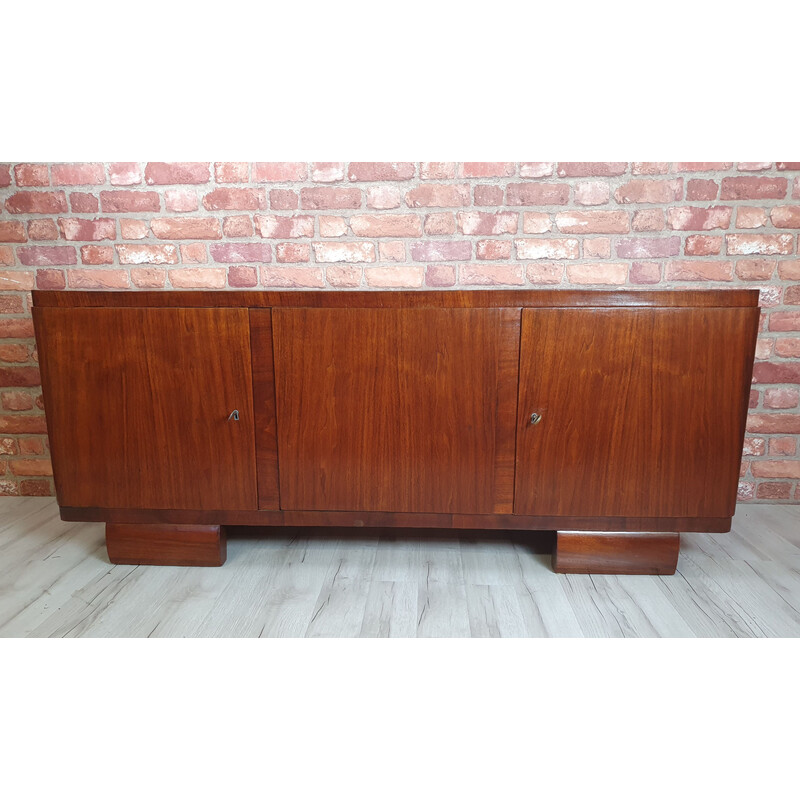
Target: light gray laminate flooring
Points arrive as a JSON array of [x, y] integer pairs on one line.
[[56, 580]]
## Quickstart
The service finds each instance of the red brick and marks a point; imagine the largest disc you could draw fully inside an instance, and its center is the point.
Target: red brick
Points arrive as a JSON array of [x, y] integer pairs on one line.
[[703, 246], [789, 270], [16, 280], [147, 253], [5, 175], [279, 171], [753, 166], [239, 226], [31, 446], [650, 191], [37, 203], [699, 271], [166, 173], [605, 274], [784, 165], [770, 423], [383, 197], [232, 199], [23, 423], [46, 255], [437, 170], [293, 277], [124, 173], [133, 228], [7, 255], [701, 189], [97, 279], [408, 277], [650, 167], [536, 169], [641, 247], [440, 224], [776, 373], [31, 175], [16, 401], [194, 253], [77, 174], [181, 200], [293, 253], [593, 221], [231, 172], [488, 195], [769, 469], [242, 277], [536, 222], [537, 194], [12, 231], [8, 447], [14, 353], [74, 229], [453, 250], [438, 195], [493, 249], [491, 275], [83, 203], [330, 197], [42, 230], [544, 273], [796, 189], [20, 376], [782, 446], [547, 248], [702, 166], [31, 466], [246, 252], [691, 218], [381, 170], [35, 488], [749, 217], [645, 272], [753, 188], [350, 252], [581, 169], [487, 169], [754, 447], [149, 277], [380, 225], [440, 275], [343, 276], [198, 277], [781, 398], [484, 223], [327, 171], [97, 254], [332, 226], [186, 228], [123, 201], [51, 279], [769, 296], [270, 226], [648, 219], [392, 251], [787, 348], [773, 491], [597, 247], [284, 199], [784, 321], [785, 216], [591, 193], [754, 395], [755, 269], [745, 244]]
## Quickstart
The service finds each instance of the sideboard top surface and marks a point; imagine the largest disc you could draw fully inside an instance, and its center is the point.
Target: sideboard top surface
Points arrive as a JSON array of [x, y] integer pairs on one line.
[[531, 298]]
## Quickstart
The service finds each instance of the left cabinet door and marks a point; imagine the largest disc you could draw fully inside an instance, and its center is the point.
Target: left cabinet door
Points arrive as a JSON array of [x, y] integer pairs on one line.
[[140, 402]]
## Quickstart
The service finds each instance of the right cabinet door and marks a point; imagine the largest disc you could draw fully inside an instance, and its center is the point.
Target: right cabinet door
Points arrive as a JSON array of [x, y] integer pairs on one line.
[[640, 412]]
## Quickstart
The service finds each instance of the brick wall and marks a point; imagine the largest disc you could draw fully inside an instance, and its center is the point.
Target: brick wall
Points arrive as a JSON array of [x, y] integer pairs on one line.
[[405, 225]]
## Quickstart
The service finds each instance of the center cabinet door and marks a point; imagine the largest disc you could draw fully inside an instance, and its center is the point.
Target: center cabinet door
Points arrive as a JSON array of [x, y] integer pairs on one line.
[[396, 409]]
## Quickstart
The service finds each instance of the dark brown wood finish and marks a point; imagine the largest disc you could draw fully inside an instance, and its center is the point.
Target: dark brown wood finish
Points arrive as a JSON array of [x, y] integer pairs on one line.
[[167, 545], [396, 410], [642, 411], [264, 408], [137, 404], [610, 554]]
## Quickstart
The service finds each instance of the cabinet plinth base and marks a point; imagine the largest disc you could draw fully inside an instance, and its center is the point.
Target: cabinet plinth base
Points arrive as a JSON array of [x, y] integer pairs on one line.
[[167, 545], [616, 553]]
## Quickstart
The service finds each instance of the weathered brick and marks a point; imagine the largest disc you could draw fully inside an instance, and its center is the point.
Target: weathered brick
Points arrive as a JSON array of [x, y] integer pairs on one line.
[[784, 165], [746, 244], [327, 171], [186, 228], [332, 226], [493, 249], [231, 171], [792, 297], [784, 321], [753, 188], [650, 167], [83, 203], [488, 195], [194, 253], [42, 230], [31, 466], [547, 248], [537, 194], [31, 175], [167, 173], [592, 193], [77, 174], [641, 247], [239, 226], [14, 353], [241, 277], [491, 275], [645, 272], [593, 221], [351, 252], [181, 200], [701, 189], [46, 255], [8, 447], [124, 173], [330, 197], [749, 217], [93, 254], [786, 347], [454, 250], [37, 203], [755, 269], [16, 280], [284, 200], [408, 277], [536, 222], [293, 253], [776, 373], [605, 274], [381, 170], [702, 166], [770, 423], [769, 296], [124, 201], [598, 247], [650, 191], [789, 270], [754, 446], [383, 197], [270, 226], [6, 255], [782, 446], [582, 169], [699, 271], [484, 223], [437, 170], [23, 423], [279, 171], [5, 175], [691, 218], [31, 446], [544, 272], [753, 166], [87, 230], [344, 276], [440, 275], [51, 279], [782, 397], [12, 231], [133, 228], [440, 224], [149, 277], [438, 195], [97, 279], [536, 169], [198, 277], [785, 216], [245, 252], [648, 219], [35, 488], [487, 169], [379, 225], [392, 251], [703, 245], [772, 469], [234, 199], [293, 277], [773, 491]]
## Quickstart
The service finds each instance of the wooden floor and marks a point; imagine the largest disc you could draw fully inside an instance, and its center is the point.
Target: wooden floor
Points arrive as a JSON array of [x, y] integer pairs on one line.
[[56, 580]]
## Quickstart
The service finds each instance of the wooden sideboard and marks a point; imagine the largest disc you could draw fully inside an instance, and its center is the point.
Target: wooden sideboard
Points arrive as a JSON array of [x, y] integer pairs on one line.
[[613, 417]]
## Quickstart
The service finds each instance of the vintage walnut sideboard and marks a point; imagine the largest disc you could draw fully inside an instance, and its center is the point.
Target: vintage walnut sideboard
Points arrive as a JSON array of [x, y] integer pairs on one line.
[[613, 417]]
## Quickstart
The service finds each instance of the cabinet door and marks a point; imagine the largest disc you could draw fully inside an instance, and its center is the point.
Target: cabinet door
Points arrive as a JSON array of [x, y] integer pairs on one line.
[[138, 403], [396, 409], [642, 411]]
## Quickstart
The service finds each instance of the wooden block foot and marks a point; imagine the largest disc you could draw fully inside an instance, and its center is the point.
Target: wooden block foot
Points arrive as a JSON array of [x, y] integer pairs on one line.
[[616, 553], [167, 545]]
